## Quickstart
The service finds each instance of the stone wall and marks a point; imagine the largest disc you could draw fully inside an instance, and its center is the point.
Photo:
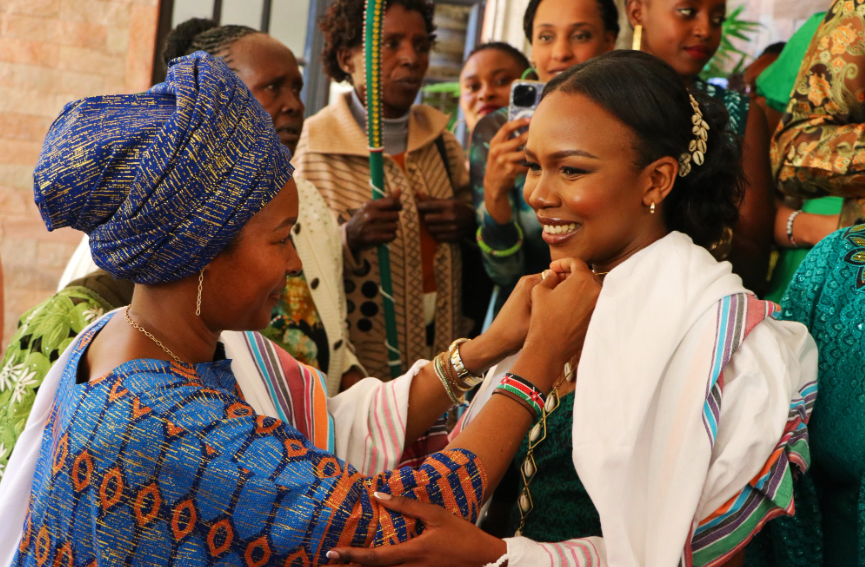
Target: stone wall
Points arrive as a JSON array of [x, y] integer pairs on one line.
[[52, 52]]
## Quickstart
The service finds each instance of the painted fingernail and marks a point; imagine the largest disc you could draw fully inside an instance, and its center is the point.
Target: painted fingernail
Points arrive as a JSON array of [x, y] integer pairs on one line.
[[382, 495], [332, 555]]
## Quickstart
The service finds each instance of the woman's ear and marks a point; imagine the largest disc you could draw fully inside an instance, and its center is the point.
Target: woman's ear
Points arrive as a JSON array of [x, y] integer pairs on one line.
[[634, 10], [660, 176], [345, 58]]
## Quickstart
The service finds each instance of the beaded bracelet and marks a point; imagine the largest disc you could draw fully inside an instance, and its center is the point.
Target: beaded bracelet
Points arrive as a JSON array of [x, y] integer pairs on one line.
[[529, 407], [790, 220], [471, 380], [527, 391], [501, 253]]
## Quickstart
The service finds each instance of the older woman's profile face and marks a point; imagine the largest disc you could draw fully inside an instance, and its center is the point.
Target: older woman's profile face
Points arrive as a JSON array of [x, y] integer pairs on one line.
[[247, 281], [582, 180], [270, 70]]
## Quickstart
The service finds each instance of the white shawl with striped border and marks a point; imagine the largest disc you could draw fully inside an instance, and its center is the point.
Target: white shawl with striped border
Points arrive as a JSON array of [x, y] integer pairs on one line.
[[685, 433]]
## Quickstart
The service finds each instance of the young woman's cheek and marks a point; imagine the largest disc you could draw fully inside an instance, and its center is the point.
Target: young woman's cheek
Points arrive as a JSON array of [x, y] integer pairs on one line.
[[579, 199]]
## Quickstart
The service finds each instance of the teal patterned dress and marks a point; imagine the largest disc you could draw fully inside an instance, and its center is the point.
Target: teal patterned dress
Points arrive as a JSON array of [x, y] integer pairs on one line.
[[827, 294], [534, 254]]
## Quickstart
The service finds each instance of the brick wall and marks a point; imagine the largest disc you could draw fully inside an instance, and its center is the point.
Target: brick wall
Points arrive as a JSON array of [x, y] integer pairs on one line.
[[51, 52]]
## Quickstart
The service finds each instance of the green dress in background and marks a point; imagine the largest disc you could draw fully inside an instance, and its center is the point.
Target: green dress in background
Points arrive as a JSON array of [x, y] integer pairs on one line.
[[790, 258], [775, 84]]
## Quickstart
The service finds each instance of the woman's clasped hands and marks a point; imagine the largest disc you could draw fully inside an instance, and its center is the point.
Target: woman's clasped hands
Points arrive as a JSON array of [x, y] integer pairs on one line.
[[546, 317]]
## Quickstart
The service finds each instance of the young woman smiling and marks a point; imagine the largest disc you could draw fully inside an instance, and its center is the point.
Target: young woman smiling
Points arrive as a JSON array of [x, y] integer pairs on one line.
[[686, 34], [562, 33], [486, 77], [673, 433]]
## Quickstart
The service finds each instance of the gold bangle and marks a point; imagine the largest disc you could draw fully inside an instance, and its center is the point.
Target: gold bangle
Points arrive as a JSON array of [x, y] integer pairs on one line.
[[442, 376], [469, 379], [456, 384]]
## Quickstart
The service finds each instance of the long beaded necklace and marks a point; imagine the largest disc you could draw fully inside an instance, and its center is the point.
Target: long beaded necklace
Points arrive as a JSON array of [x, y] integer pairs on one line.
[[152, 338], [537, 435]]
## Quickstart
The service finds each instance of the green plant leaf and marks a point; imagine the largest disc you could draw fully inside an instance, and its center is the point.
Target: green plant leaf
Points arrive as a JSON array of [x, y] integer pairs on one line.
[[450, 87], [733, 27]]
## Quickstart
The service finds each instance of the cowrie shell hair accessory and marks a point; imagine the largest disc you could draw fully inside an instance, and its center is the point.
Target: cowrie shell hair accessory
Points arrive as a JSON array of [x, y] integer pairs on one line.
[[696, 153]]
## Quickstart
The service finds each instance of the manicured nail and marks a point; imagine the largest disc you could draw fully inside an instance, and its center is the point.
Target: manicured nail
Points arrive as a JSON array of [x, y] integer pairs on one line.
[[382, 495], [332, 555]]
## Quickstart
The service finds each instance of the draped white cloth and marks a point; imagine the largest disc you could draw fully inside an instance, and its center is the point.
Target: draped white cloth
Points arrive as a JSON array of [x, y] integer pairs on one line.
[[641, 447]]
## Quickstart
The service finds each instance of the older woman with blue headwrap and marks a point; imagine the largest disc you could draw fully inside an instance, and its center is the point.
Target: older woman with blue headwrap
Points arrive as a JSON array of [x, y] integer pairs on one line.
[[149, 452]]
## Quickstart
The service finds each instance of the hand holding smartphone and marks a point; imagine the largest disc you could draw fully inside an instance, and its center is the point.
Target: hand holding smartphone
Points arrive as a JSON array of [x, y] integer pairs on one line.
[[525, 97]]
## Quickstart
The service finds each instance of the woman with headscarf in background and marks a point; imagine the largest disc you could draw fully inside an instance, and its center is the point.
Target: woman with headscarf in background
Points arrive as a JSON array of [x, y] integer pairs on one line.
[[309, 320], [562, 33], [686, 36], [148, 451]]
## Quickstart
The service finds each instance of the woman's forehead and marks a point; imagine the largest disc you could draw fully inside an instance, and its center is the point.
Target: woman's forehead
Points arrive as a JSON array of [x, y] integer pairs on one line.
[[567, 121]]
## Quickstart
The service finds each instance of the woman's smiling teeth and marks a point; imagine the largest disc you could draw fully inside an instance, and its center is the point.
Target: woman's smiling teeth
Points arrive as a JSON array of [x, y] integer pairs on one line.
[[559, 228]]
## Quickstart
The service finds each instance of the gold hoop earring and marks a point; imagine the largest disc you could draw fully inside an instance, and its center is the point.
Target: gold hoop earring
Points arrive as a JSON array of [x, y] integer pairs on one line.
[[198, 299], [652, 208], [638, 37]]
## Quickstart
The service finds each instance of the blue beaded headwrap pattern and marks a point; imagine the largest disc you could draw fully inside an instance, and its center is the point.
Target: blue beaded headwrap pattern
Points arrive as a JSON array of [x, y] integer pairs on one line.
[[162, 181]]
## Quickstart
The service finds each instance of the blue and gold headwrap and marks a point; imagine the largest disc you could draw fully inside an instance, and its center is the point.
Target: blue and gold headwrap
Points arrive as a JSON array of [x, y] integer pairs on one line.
[[162, 181]]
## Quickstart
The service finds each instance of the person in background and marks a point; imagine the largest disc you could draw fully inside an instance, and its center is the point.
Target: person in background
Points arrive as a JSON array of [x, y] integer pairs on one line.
[[758, 65], [485, 81], [799, 223], [563, 33], [819, 146], [426, 213], [819, 150], [686, 36], [309, 320]]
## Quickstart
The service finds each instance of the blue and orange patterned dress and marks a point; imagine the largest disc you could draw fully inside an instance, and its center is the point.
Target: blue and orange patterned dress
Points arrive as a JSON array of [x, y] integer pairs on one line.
[[164, 464]]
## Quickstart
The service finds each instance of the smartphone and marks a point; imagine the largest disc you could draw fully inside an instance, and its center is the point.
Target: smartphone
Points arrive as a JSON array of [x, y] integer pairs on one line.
[[525, 96]]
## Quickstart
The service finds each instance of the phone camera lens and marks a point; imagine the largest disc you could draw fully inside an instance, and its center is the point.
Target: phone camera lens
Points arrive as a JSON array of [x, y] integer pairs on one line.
[[524, 95]]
